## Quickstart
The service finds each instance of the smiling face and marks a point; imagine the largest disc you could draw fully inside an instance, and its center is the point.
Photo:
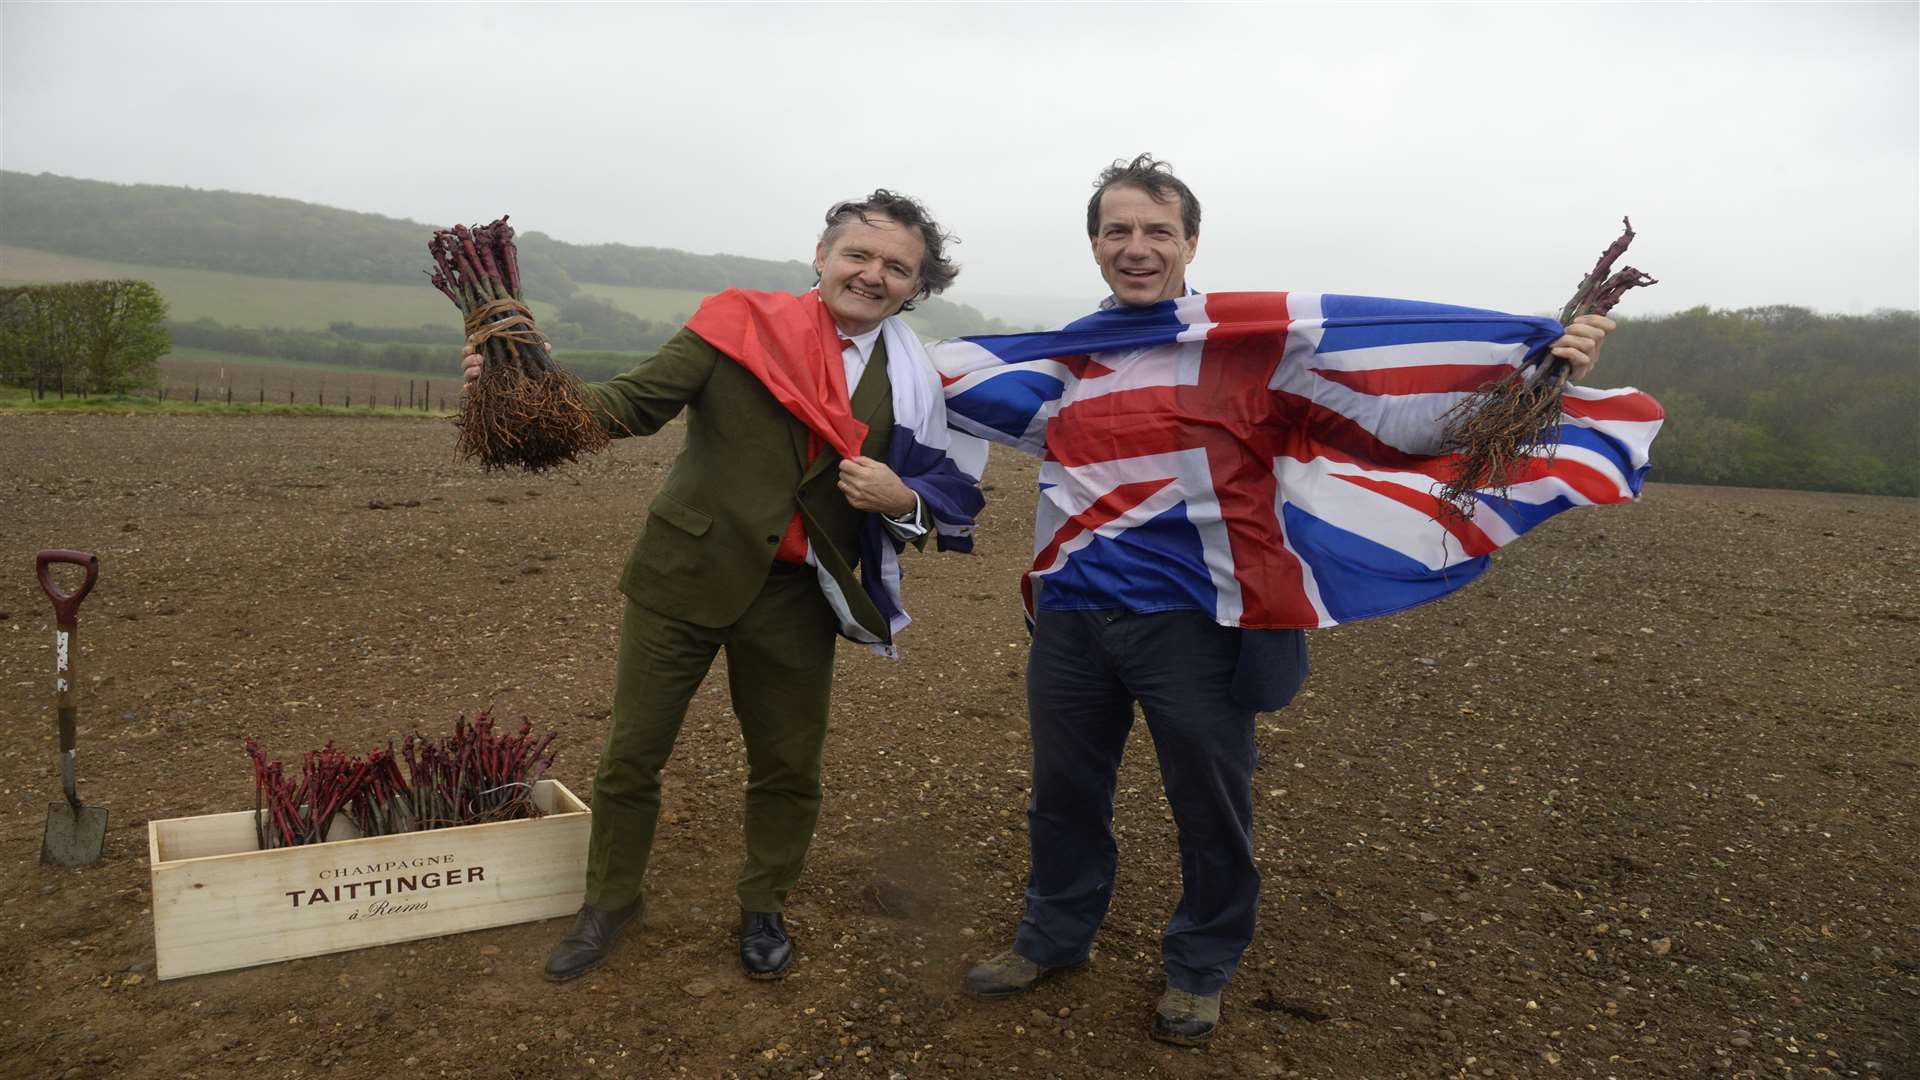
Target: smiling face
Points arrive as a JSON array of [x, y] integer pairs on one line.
[[868, 270], [1142, 247]]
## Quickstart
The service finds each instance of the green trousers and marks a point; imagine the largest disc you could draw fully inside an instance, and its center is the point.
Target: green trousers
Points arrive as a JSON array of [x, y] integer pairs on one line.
[[780, 671]]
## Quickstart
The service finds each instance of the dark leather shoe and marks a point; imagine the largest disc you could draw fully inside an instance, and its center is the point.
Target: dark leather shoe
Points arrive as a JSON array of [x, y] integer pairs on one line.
[[591, 940], [765, 949]]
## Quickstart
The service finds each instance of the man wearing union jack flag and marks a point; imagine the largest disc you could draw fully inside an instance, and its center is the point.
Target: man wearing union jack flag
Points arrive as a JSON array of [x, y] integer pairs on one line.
[[1183, 543]]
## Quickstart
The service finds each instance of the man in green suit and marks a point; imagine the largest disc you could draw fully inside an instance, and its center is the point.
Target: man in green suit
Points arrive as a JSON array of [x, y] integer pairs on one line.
[[722, 562]]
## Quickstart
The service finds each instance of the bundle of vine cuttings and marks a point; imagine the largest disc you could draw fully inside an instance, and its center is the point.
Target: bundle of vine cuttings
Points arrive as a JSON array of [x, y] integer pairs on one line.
[[522, 410], [1498, 428], [474, 775]]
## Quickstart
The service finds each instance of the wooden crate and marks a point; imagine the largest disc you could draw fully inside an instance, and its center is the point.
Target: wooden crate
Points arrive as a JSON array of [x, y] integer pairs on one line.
[[220, 903]]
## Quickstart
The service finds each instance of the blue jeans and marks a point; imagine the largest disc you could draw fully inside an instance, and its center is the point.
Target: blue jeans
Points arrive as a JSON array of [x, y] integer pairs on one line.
[[1084, 673]]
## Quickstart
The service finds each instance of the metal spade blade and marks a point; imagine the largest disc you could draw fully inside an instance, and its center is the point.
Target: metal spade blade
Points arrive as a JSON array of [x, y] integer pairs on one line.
[[75, 835]]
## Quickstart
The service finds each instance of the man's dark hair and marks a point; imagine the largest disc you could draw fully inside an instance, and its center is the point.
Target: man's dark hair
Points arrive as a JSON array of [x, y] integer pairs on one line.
[[1153, 177], [936, 270]]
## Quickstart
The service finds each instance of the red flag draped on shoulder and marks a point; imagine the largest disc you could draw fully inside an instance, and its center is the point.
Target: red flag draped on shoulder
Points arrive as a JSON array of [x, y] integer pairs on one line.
[[790, 344]]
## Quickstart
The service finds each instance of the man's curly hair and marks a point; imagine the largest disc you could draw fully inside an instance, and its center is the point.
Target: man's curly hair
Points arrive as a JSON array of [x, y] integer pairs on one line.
[[936, 270]]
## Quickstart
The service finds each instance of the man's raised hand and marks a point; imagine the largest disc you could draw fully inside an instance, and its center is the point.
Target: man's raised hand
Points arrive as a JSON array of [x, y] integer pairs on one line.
[[1580, 346]]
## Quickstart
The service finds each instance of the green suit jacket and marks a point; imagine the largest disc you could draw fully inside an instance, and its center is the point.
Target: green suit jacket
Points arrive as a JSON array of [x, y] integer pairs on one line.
[[712, 530]]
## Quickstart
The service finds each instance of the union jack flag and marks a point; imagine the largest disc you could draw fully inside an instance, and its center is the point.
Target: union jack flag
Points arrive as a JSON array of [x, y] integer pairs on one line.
[[1275, 458]]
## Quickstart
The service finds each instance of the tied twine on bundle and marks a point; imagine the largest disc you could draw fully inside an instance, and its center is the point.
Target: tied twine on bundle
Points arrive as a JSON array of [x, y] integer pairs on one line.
[[527, 412], [495, 320], [1496, 431], [522, 409]]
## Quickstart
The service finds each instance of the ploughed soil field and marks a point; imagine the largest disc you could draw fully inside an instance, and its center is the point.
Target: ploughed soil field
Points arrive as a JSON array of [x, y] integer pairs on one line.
[[1642, 802]]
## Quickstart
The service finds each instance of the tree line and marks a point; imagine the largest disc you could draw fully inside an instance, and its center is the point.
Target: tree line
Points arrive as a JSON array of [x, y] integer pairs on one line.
[[1779, 396], [96, 337], [266, 236]]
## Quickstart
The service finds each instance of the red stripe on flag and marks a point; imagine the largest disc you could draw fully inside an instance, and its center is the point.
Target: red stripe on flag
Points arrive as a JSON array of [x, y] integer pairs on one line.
[[1639, 407], [1130, 423], [1083, 366], [1424, 379], [1473, 540], [1249, 308], [1598, 487]]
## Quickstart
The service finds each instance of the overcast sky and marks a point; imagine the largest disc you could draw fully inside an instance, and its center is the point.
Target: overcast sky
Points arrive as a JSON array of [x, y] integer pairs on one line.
[[1473, 154]]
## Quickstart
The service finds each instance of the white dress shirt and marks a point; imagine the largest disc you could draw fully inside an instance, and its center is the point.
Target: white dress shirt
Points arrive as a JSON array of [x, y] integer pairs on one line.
[[854, 354]]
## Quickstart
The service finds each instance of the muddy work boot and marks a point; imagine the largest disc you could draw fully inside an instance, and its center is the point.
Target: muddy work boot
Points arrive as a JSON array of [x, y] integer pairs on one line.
[[1185, 1019], [1008, 974]]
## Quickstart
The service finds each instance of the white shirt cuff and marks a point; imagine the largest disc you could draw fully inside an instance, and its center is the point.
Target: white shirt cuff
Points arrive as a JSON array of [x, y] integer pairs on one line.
[[907, 526]]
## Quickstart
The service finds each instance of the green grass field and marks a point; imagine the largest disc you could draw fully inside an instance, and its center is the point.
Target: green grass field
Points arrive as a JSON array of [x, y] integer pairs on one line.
[[659, 305], [209, 356], [245, 300]]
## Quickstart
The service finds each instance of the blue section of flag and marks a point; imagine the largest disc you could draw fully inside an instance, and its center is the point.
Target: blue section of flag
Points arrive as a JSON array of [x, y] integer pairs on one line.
[[1358, 577], [1586, 438], [1115, 328], [948, 493], [1007, 403], [1344, 306], [1154, 566], [1377, 333], [1521, 516]]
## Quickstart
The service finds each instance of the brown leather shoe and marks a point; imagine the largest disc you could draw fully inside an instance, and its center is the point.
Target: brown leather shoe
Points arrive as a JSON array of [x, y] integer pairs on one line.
[[591, 940]]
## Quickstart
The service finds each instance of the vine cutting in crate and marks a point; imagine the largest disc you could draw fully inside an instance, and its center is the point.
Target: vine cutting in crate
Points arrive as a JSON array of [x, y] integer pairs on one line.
[[473, 776], [522, 410]]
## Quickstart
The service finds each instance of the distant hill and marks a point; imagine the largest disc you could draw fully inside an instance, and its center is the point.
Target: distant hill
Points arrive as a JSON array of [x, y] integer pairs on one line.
[[255, 300], [266, 236]]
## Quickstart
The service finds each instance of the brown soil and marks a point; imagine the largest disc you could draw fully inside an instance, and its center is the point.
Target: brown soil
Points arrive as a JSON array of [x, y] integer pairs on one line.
[[1642, 802]]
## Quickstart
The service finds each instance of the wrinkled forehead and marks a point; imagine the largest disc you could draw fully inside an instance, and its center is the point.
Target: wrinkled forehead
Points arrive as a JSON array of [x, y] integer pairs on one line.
[[1132, 202], [880, 234]]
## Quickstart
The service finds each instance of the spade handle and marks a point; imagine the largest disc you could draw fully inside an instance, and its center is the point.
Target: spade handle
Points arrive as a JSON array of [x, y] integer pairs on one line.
[[66, 605], [66, 612]]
